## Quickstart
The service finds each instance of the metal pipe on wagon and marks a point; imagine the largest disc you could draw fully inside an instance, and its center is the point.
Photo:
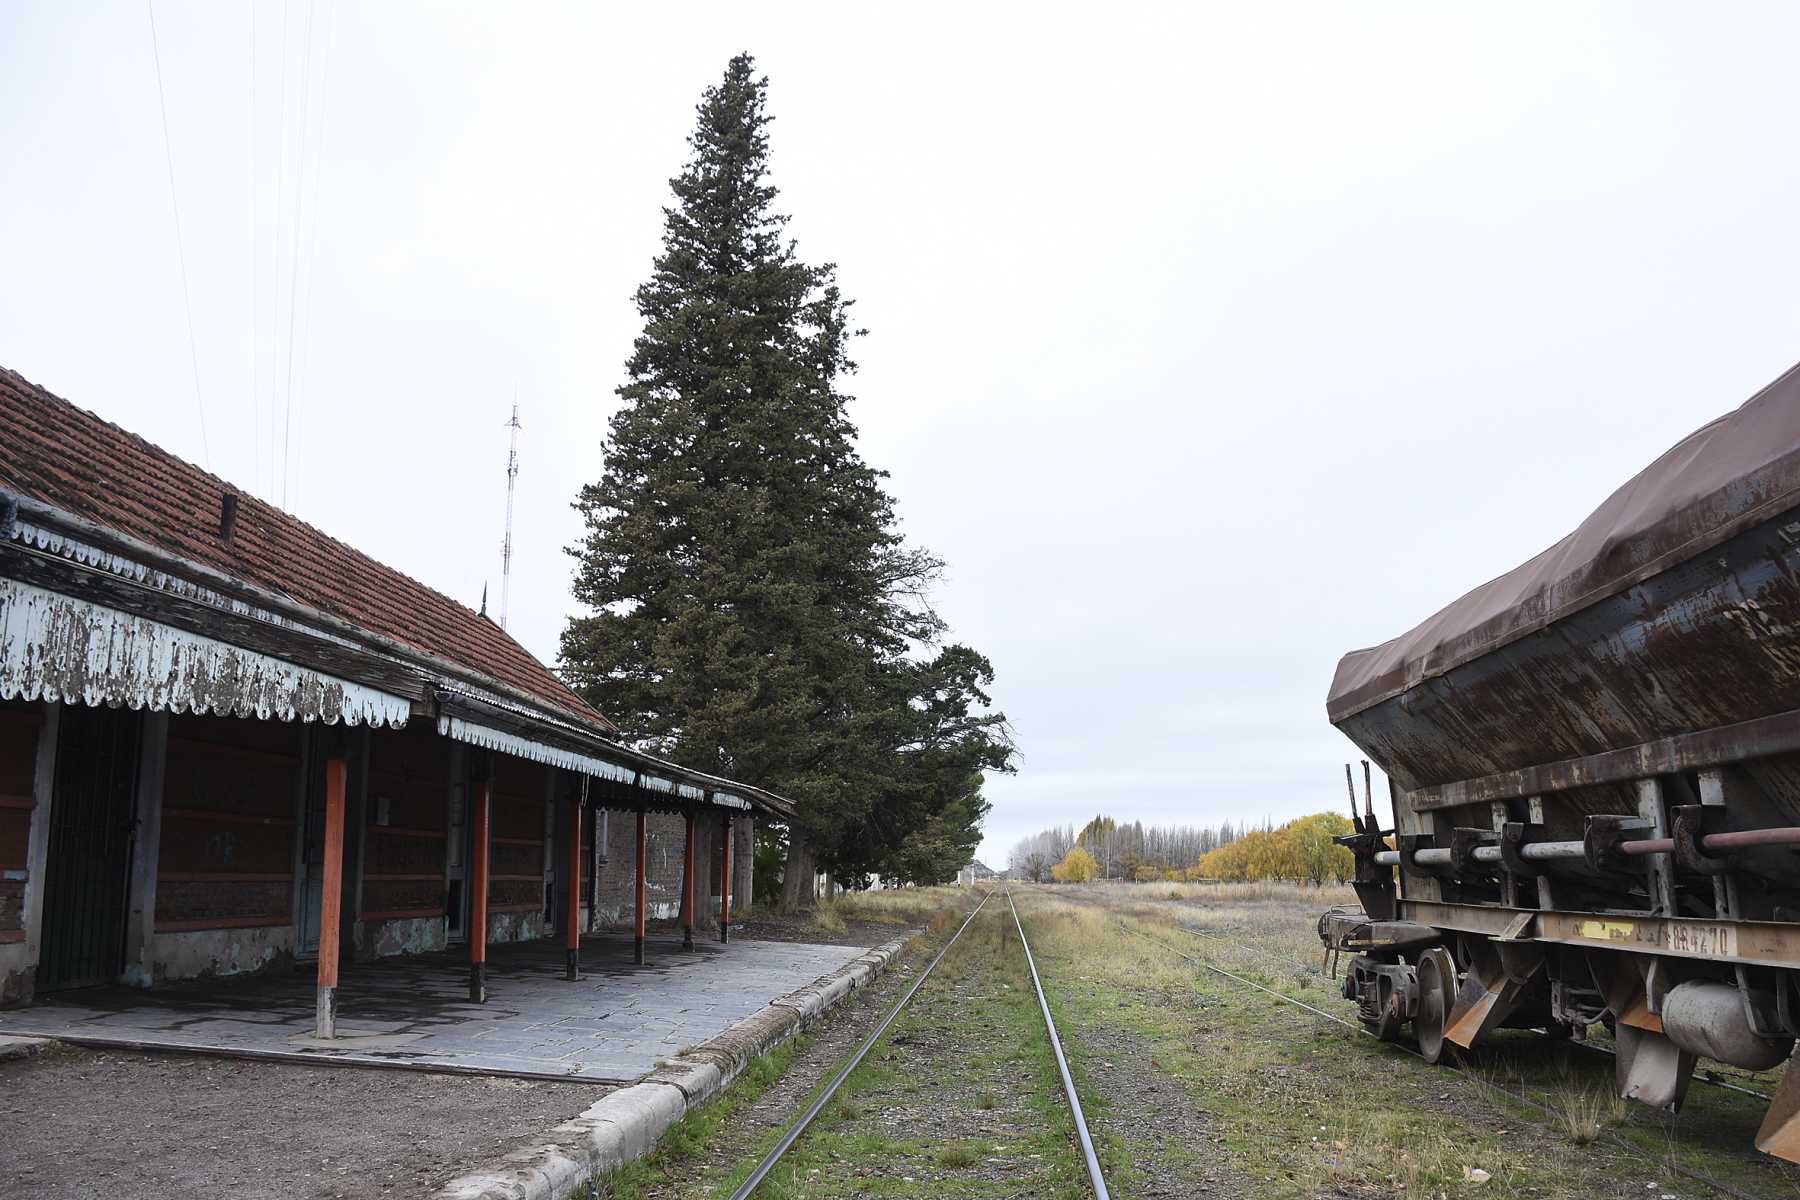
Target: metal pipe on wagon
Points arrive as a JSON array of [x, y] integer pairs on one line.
[[1742, 839], [1435, 856]]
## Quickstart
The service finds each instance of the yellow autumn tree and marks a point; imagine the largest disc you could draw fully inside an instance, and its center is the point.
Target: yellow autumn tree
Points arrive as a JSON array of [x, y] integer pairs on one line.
[[1078, 866], [1301, 850], [1319, 857]]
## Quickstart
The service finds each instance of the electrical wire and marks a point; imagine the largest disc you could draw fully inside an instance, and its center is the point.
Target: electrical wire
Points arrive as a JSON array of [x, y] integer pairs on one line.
[[275, 243], [312, 242], [287, 406], [162, 105], [255, 262]]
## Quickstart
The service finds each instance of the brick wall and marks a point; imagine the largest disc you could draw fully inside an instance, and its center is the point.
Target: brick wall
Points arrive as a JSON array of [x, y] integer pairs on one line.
[[664, 835]]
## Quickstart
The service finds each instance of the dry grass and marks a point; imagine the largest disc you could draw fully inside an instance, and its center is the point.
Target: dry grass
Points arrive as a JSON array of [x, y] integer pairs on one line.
[[828, 918], [1268, 891], [1587, 1111], [900, 906]]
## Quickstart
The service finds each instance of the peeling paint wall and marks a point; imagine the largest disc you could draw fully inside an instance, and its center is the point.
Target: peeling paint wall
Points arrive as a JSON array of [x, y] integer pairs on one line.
[[203, 953], [18, 971], [516, 927], [409, 935]]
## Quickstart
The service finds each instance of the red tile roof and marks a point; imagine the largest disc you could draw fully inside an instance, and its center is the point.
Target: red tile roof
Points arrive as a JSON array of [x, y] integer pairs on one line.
[[67, 457]]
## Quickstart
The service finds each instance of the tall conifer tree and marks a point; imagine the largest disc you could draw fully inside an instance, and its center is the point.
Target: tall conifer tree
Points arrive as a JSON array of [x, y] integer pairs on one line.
[[749, 595]]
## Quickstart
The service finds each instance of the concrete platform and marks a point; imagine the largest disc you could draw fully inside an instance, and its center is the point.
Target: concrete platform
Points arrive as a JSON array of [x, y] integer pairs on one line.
[[612, 1026]]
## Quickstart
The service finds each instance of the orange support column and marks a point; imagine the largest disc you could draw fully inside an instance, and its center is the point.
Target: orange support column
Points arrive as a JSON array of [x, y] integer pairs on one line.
[[331, 894], [478, 898], [574, 886], [687, 886], [725, 884], [638, 915]]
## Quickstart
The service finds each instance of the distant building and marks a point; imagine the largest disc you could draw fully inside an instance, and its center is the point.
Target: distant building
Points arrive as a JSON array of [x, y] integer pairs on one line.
[[974, 872]]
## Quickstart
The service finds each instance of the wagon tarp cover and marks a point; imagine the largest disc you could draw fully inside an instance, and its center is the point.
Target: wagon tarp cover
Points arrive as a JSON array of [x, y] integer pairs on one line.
[[1723, 478]]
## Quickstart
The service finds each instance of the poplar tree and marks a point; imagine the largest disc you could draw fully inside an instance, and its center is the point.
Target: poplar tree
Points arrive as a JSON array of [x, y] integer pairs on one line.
[[748, 595]]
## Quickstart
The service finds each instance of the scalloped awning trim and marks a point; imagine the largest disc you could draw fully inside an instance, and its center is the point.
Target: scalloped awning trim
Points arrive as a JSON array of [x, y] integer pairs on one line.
[[57, 647]]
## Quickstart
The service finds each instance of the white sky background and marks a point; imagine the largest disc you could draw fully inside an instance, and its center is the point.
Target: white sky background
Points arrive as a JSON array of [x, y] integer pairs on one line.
[[1205, 343]]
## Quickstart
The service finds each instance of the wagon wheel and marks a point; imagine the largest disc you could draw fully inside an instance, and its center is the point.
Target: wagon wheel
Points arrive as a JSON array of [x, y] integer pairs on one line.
[[1437, 992]]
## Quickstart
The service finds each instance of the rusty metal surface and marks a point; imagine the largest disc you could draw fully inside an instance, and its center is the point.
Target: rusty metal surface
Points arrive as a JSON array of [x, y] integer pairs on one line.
[[1755, 943], [1764, 737], [1780, 1131], [57, 647], [1695, 666], [1737, 471]]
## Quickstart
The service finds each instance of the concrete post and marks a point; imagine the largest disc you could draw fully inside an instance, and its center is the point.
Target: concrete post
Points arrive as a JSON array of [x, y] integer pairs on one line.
[[478, 892], [637, 918], [687, 885], [331, 896]]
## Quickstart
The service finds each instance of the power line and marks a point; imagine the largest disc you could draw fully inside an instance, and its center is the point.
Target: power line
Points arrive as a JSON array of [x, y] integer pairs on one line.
[[255, 263], [180, 249], [287, 407], [312, 237], [275, 243]]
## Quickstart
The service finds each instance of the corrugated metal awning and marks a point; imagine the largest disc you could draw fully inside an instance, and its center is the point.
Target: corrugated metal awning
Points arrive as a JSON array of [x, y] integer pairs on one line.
[[503, 742], [57, 647]]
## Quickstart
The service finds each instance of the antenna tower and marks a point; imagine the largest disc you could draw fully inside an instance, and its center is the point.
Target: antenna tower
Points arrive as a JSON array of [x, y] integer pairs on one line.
[[512, 475]]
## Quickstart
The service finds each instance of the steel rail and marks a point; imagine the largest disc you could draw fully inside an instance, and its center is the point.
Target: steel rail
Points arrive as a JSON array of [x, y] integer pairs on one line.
[[1697, 1176], [1062, 1064], [788, 1139]]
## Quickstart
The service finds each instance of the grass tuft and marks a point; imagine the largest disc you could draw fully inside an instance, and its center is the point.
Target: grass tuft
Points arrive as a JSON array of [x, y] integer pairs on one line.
[[1588, 1111]]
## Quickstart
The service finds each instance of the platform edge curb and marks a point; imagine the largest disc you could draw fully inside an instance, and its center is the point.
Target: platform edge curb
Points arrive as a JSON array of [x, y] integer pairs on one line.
[[624, 1125]]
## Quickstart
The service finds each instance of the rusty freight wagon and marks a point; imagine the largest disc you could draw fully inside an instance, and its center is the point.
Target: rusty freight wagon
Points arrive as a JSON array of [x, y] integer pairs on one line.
[[1594, 762]]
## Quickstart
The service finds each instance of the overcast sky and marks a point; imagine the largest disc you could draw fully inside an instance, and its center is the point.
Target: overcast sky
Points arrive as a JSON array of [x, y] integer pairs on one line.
[[1205, 343]]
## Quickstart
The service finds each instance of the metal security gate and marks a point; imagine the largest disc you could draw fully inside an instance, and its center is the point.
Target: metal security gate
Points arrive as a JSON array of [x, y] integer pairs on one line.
[[92, 821]]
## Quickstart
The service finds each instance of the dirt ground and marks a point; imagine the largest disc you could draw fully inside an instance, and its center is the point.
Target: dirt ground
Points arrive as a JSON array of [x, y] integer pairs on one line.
[[84, 1123], [88, 1123]]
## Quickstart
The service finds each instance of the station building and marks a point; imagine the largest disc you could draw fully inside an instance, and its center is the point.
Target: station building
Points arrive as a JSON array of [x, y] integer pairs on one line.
[[230, 743]]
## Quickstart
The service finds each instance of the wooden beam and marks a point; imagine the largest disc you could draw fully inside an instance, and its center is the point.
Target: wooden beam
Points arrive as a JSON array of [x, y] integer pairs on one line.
[[478, 898], [331, 896], [572, 884]]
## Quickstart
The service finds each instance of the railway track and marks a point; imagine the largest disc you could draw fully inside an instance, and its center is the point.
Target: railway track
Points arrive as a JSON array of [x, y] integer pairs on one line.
[[1667, 1162], [795, 1131]]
